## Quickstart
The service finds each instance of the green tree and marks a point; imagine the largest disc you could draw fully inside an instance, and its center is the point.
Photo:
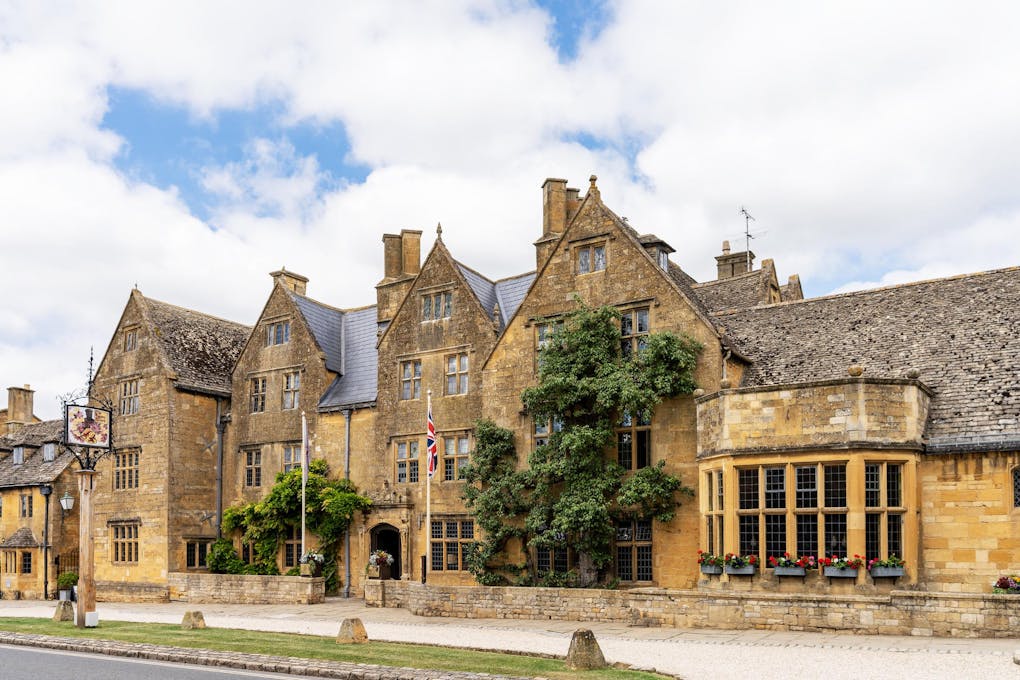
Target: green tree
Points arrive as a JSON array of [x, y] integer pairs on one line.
[[330, 504], [571, 495]]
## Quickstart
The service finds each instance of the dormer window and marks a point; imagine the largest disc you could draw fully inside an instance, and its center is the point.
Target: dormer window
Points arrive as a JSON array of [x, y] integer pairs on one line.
[[18, 456], [437, 306], [664, 259], [278, 333], [591, 258], [49, 452]]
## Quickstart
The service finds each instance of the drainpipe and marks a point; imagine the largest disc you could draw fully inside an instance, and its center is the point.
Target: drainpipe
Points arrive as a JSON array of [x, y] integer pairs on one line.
[[221, 426], [347, 476]]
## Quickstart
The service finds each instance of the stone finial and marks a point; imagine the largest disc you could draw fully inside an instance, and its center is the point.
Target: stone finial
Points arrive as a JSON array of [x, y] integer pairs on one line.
[[699, 392], [64, 611], [592, 189], [725, 384], [439, 230], [855, 370], [585, 653], [193, 621], [913, 373], [352, 632]]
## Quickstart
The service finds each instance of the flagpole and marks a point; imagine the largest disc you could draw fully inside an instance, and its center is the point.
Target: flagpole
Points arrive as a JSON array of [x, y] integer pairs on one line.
[[304, 477], [428, 482]]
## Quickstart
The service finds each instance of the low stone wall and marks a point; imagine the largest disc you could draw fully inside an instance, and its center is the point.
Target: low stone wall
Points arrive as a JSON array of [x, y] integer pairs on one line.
[[115, 591], [900, 612], [230, 588]]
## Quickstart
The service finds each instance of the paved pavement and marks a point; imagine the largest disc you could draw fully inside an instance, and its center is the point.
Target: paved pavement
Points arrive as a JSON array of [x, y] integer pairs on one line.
[[695, 654]]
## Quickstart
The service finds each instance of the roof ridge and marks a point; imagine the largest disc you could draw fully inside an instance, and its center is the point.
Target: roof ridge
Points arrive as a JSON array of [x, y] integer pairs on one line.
[[314, 301], [880, 289], [472, 270], [195, 311], [362, 308], [516, 276], [745, 275]]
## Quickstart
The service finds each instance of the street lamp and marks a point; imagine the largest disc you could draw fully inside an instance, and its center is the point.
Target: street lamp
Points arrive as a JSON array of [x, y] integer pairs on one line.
[[67, 501], [46, 490]]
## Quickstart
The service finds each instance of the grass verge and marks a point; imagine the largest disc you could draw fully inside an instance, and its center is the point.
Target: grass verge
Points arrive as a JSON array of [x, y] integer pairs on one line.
[[314, 647]]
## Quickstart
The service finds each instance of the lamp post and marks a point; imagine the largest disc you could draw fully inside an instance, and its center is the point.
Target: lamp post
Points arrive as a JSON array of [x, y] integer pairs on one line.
[[46, 490], [66, 501]]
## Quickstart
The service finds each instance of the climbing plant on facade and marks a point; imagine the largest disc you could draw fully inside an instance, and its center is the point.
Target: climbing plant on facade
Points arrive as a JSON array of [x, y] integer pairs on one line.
[[331, 505], [571, 495]]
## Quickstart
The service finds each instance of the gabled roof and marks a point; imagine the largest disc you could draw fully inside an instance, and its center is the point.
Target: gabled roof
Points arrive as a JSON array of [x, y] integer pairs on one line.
[[962, 333], [508, 293], [22, 538], [199, 348], [357, 385], [34, 470], [734, 293], [325, 324]]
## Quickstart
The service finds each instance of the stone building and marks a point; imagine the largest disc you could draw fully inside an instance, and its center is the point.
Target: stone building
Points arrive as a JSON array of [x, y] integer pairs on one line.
[[166, 373], [880, 422], [38, 541]]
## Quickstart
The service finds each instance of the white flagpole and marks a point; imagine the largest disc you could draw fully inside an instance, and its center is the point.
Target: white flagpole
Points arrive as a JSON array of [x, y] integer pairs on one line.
[[428, 492], [304, 476]]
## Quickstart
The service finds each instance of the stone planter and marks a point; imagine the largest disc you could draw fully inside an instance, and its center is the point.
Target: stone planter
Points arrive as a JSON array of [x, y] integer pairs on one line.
[[372, 571], [310, 569], [836, 572], [64, 595], [886, 572], [790, 571], [710, 569], [740, 571]]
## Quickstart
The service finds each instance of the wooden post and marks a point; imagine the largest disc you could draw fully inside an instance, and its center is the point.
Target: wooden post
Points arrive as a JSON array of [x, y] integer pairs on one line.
[[86, 615]]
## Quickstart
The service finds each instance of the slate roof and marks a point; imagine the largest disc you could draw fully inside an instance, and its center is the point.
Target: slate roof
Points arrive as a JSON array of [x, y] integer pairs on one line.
[[737, 292], [22, 538], [201, 349], [508, 292], [34, 470], [358, 383], [962, 333], [325, 323]]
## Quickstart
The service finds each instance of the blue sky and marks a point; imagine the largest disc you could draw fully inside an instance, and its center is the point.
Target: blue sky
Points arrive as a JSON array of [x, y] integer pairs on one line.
[[192, 148]]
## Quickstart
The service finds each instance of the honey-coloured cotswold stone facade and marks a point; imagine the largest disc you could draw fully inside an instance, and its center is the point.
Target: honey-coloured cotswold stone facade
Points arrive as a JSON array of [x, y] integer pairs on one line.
[[878, 422]]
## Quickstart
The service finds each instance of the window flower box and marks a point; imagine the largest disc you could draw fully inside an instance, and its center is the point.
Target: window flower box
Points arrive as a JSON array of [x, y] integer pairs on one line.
[[747, 570], [836, 572], [789, 571], [710, 569], [886, 572]]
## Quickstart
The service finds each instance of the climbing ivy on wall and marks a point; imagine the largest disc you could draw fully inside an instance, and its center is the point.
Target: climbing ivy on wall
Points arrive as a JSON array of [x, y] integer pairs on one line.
[[571, 494], [331, 505]]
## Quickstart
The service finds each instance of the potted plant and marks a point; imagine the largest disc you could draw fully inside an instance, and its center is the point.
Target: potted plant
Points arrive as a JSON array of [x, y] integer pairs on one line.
[[311, 563], [787, 566], [842, 567], [1007, 585], [378, 566], [740, 565], [66, 583], [710, 564], [890, 567]]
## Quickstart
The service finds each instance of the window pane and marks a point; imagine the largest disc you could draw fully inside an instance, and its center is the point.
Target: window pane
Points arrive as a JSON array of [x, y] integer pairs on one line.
[[627, 324], [872, 535], [709, 477], [625, 563], [600, 258], [895, 535], [893, 476], [807, 535], [437, 557], [748, 489], [583, 261], [426, 310], [807, 487], [623, 449], [447, 304], [644, 448], [775, 535], [835, 535], [642, 320], [835, 486], [748, 530], [775, 487], [644, 561], [872, 485]]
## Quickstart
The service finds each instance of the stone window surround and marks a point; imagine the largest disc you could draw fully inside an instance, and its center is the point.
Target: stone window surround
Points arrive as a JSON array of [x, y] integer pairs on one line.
[[252, 461], [634, 542], [410, 372], [124, 541], [443, 544], [291, 390], [458, 458], [258, 388], [26, 505], [456, 372], [129, 390], [196, 551], [293, 460], [125, 466], [436, 302], [131, 338], [277, 331], [407, 468], [633, 430], [18, 455]]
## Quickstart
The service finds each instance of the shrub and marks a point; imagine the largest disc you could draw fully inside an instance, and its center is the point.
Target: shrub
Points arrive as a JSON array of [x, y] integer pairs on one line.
[[67, 580]]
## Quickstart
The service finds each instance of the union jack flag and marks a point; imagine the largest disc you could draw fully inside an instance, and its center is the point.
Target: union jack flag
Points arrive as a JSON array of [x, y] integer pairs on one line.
[[430, 444]]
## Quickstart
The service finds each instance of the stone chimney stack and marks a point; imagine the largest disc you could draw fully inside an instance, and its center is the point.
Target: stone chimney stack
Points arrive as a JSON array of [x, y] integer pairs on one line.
[[733, 264], [559, 205], [19, 407], [290, 280], [401, 264]]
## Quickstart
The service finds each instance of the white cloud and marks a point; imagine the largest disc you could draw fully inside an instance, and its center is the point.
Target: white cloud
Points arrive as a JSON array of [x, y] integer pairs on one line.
[[874, 143]]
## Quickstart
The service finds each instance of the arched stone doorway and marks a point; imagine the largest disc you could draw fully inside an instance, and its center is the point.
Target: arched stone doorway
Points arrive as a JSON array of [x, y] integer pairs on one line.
[[387, 537]]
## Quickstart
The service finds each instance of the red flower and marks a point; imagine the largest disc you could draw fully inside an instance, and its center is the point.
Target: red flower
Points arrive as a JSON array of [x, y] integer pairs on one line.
[[752, 559]]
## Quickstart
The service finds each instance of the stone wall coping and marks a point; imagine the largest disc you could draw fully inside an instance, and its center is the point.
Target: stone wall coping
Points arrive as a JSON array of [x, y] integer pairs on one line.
[[845, 445], [808, 384]]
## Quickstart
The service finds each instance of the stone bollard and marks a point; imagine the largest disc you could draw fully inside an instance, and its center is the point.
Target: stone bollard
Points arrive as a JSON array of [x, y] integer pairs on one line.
[[352, 631], [1016, 657], [193, 621], [64, 611], [585, 653]]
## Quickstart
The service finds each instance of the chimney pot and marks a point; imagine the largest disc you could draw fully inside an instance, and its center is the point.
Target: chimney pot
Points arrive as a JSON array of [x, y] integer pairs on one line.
[[725, 247]]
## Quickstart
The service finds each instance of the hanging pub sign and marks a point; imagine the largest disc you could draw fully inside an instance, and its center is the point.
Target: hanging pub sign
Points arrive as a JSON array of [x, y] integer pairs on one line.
[[87, 426]]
